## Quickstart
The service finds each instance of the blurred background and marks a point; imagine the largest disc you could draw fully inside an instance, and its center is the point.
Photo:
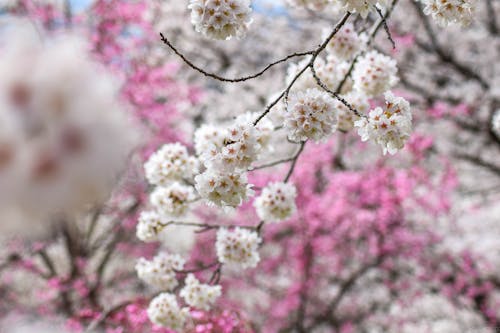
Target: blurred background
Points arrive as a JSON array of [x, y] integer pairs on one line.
[[407, 243]]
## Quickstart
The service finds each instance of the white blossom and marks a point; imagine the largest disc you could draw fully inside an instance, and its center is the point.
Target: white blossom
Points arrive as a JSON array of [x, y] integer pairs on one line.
[[223, 189], [160, 271], [172, 200], [198, 295], [447, 12], [346, 117], [390, 126], [165, 311], [332, 72], [239, 149], [221, 19], [311, 115], [374, 74], [62, 148], [306, 80], [362, 7], [346, 42], [264, 129], [207, 136], [149, 226], [276, 202], [238, 247], [170, 163]]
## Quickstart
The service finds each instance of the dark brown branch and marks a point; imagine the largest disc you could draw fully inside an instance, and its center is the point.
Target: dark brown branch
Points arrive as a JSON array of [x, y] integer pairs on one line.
[[347, 285], [386, 28], [492, 19], [294, 162], [66, 305], [334, 94], [105, 315], [233, 80], [47, 262], [11, 259], [314, 55], [275, 163], [198, 269]]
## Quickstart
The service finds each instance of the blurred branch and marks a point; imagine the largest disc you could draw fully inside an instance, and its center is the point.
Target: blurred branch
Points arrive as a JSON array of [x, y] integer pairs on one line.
[[47, 261], [11, 258], [492, 19], [444, 56], [480, 162], [105, 315]]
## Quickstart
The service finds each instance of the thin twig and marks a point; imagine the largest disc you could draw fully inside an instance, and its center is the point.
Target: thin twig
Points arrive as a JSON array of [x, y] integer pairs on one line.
[[386, 28], [199, 269], [275, 163], [373, 33], [335, 94], [492, 19], [225, 79], [310, 64], [294, 162]]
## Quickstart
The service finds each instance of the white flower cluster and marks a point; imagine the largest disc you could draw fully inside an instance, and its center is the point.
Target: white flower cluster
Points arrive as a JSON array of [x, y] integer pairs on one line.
[[198, 295], [206, 137], [227, 153], [238, 247], [276, 202], [62, 148], [346, 117], [165, 311], [331, 72], [172, 170], [346, 43], [160, 272], [149, 226], [374, 74], [390, 126], [172, 200], [223, 189], [263, 130], [447, 12], [311, 115], [362, 7], [238, 150], [221, 19], [169, 164]]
